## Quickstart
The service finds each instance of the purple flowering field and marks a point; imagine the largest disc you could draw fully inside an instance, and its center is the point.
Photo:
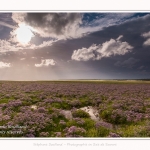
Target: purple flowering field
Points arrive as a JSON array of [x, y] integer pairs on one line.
[[74, 109]]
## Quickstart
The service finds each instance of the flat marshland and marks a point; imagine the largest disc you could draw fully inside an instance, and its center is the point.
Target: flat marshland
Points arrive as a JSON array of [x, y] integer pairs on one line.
[[75, 108]]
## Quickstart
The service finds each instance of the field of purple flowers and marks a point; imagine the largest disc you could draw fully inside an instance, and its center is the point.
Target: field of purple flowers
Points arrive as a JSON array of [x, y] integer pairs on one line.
[[74, 109]]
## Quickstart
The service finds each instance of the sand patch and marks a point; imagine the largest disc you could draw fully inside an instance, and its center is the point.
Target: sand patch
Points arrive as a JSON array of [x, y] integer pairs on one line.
[[67, 114], [93, 112], [34, 107]]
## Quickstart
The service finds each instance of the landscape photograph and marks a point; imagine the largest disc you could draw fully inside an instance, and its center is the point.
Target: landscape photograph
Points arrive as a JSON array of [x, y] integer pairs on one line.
[[74, 74]]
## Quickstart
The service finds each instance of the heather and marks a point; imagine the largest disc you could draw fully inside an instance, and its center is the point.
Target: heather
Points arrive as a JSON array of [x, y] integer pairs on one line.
[[74, 109]]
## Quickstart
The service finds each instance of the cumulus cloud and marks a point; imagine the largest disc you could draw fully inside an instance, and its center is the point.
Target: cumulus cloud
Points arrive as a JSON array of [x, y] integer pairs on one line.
[[107, 49], [6, 46], [10, 45], [46, 43], [4, 65], [147, 42], [58, 25], [22, 58], [146, 35], [46, 63], [129, 63], [18, 17], [33, 57]]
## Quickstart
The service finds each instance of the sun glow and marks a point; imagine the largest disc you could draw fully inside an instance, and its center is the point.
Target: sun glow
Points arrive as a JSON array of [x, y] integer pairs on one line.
[[24, 34]]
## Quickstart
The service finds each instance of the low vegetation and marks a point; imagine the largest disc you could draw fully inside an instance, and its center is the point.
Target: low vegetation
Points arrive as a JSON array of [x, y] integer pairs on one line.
[[54, 109]]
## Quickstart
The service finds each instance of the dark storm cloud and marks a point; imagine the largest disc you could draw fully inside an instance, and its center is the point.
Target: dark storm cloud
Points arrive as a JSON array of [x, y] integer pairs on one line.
[[114, 66], [70, 25], [131, 31], [54, 22], [59, 25]]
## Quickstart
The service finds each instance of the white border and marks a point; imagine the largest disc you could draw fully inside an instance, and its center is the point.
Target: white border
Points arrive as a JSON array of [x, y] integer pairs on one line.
[[115, 6], [88, 144], [67, 5], [76, 11]]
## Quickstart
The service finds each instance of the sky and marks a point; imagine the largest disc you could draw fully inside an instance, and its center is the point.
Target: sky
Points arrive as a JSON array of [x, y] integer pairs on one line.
[[55, 46]]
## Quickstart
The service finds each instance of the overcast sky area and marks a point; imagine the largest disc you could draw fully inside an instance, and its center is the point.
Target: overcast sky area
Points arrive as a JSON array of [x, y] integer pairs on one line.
[[51, 46]]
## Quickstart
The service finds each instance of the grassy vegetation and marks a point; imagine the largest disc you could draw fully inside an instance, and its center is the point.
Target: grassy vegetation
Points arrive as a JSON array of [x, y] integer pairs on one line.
[[123, 108]]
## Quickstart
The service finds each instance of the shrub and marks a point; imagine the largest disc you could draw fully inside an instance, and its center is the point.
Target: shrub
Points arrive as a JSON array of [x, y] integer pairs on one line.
[[80, 113], [102, 132], [74, 131]]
